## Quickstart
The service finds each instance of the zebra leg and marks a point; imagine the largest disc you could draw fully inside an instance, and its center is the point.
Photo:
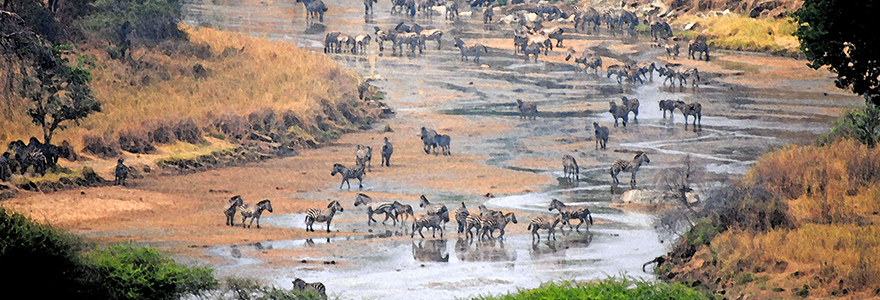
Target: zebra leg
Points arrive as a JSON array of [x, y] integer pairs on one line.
[[633, 180], [370, 216], [258, 222], [360, 182], [328, 225], [243, 218]]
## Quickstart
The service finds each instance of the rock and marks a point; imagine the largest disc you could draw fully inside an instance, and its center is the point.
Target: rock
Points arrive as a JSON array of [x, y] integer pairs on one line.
[[531, 17], [465, 14], [656, 196], [508, 19], [690, 26]]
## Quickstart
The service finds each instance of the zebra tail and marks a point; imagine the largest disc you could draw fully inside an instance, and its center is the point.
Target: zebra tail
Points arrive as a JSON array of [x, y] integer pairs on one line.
[[530, 226], [591, 218]]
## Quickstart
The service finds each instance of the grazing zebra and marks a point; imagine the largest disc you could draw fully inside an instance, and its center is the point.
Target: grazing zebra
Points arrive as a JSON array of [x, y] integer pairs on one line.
[[698, 45], [601, 133], [403, 209], [660, 29], [545, 222], [667, 105], [646, 68], [527, 109], [364, 156], [121, 172], [427, 221], [691, 109], [618, 112], [387, 150], [442, 141], [570, 167], [376, 207], [632, 105], [629, 166], [348, 173], [461, 215], [568, 213], [316, 287], [498, 222], [435, 209], [428, 139], [254, 211], [472, 48], [317, 215], [472, 222], [233, 204]]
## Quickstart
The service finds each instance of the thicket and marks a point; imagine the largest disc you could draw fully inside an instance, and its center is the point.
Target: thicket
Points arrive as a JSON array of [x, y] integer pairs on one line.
[[611, 288], [71, 267]]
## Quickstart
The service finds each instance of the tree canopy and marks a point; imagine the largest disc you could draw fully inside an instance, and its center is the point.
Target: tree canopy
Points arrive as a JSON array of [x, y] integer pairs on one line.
[[842, 34]]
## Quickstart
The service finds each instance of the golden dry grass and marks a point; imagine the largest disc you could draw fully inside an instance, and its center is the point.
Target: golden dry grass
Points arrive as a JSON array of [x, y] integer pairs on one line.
[[739, 32], [244, 74]]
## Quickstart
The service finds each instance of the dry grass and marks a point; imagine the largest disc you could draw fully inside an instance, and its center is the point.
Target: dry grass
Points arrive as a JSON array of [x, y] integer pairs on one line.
[[243, 74], [739, 32]]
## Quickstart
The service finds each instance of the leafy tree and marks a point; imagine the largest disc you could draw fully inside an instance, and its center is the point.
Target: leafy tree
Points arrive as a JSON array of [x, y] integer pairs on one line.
[[840, 34], [58, 93]]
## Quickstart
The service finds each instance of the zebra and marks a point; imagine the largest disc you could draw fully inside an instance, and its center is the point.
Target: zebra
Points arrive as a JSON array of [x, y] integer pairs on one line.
[[316, 287], [428, 140], [121, 172], [461, 215], [545, 222], [474, 222], [667, 105], [364, 156], [432, 34], [368, 6], [317, 215], [427, 221], [527, 109], [632, 105], [601, 133], [498, 222], [403, 209], [376, 207], [660, 29], [589, 60], [617, 70], [485, 211], [331, 41], [472, 48], [348, 173], [387, 150], [691, 109], [361, 41], [553, 33], [442, 141], [618, 112], [570, 167], [629, 166], [530, 49], [698, 45], [254, 211], [568, 212], [233, 204], [488, 14], [451, 10], [435, 209]]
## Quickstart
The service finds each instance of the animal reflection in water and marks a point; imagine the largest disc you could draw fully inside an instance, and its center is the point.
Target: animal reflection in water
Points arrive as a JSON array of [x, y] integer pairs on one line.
[[483, 250], [430, 250], [557, 248]]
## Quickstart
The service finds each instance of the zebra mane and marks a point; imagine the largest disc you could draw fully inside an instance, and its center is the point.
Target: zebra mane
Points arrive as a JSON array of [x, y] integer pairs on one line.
[[331, 203], [556, 201], [263, 202], [338, 165]]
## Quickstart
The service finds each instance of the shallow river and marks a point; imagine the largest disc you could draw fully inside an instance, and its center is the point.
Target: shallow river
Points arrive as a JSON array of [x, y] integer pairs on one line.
[[739, 124]]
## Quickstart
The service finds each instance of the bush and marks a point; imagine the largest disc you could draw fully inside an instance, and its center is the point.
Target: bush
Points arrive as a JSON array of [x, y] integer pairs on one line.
[[135, 140], [188, 131], [100, 146], [128, 272], [161, 133], [146, 22], [858, 124], [612, 288]]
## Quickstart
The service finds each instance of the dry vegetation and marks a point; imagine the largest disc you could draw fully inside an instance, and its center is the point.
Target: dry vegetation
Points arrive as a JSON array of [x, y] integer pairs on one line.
[[739, 32], [831, 197]]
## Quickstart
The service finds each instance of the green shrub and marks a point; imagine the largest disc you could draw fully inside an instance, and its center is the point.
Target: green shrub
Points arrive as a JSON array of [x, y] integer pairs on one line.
[[859, 124], [611, 288], [128, 272], [701, 233], [145, 22]]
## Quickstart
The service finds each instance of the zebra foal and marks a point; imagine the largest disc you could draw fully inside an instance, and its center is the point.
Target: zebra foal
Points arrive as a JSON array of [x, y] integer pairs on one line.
[[233, 204]]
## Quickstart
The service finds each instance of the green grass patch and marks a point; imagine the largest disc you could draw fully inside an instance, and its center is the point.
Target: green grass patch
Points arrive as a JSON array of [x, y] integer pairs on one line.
[[611, 288]]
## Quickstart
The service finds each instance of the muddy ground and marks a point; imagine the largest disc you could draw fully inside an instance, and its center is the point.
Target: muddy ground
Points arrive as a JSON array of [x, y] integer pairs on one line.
[[751, 104]]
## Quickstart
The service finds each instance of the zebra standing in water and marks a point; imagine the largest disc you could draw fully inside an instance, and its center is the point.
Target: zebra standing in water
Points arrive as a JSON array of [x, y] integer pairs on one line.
[[461, 215], [254, 212], [629, 166], [348, 173], [317, 215], [631, 105], [618, 112], [474, 222], [428, 221], [545, 222], [316, 287], [570, 167], [376, 207], [498, 221], [667, 105], [568, 213], [387, 150], [233, 204], [601, 133], [435, 209]]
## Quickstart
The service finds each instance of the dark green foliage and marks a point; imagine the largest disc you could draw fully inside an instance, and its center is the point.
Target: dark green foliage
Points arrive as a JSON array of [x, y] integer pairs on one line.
[[612, 288], [250, 289], [57, 93], [142, 273], [31, 254], [840, 34], [701, 233], [859, 124], [143, 22]]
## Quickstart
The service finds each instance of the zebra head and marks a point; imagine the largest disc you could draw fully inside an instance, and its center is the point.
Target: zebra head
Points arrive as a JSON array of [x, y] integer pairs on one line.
[[424, 201], [235, 200], [642, 157], [511, 217], [555, 204], [265, 204], [337, 168], [361, 199], [334, 205]]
